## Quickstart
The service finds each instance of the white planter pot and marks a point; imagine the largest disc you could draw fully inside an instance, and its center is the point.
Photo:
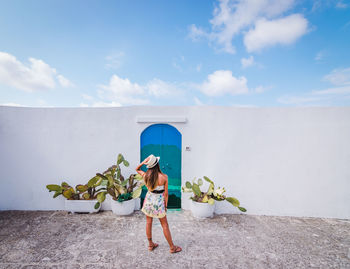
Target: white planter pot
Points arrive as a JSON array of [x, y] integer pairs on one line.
[[202, 210], [185, 200], [81, 206], [137, 203], [123, 208], [224, 207]]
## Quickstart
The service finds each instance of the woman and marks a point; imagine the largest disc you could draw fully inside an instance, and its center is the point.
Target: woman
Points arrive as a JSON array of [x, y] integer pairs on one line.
[[156, 200]]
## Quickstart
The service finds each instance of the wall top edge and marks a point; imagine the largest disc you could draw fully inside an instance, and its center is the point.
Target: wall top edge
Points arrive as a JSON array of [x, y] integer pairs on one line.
[[150, 119]]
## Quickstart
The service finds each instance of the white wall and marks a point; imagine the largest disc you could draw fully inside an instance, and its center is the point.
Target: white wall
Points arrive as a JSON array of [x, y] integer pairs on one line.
[[276, 161]]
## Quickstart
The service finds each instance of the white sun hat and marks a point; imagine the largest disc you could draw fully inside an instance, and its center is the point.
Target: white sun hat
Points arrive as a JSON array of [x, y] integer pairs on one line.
[[153, 160]]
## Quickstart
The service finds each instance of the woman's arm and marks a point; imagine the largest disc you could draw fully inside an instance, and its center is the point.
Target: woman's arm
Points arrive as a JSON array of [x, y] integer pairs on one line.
[[166, 196], [138, 170]]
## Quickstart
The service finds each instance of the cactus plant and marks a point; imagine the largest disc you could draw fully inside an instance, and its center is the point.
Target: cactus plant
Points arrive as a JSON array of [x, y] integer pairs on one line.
[[80, 192], [117, 186], [210, 195]]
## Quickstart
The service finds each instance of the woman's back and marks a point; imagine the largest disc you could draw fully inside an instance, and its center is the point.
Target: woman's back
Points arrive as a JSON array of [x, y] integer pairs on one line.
[[161, 179]]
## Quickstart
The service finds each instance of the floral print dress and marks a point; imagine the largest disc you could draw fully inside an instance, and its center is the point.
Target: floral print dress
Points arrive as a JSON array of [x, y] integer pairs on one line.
[[154, 204]]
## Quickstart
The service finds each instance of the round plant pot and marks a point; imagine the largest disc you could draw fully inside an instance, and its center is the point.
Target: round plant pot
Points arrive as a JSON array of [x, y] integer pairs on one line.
[[123, 208], [202, 210], [137, 203], [81, 206]]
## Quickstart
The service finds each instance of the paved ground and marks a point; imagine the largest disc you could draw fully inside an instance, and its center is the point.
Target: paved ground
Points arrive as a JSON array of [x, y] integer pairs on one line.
[[58, 239]]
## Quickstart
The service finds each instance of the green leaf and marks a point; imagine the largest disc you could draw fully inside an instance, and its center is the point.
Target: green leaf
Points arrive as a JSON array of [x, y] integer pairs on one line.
[[81, 188], [196, 189], [126, 163], [200, 182], [101, 197], [138, 177], [211, 201], [124, 182], [54, 187], [137, 193], [233, 201], [207, 179], [188, 185], [210, 189], [97, 205], [242, 209], [57, 194], [120, 158], [93, 181], [65, 185], [68, 193], [102, 176]]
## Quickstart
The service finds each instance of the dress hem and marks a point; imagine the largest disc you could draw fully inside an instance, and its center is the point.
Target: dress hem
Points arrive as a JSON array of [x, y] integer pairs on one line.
[[153, 216]]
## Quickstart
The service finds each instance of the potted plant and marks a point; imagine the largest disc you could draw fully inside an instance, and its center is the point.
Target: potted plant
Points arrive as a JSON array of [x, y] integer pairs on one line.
[[123, 191], [82, 198], [203, 203]]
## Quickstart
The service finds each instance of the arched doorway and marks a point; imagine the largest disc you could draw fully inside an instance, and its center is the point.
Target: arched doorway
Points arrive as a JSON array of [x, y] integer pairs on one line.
[[164, 140]]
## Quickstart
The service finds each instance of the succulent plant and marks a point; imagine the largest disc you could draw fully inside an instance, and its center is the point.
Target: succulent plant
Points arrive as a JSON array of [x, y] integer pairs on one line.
[[117, 186], [80, 192], [210, 195]]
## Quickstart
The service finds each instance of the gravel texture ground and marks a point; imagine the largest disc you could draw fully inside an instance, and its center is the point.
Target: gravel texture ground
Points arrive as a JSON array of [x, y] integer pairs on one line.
[[59, 239]]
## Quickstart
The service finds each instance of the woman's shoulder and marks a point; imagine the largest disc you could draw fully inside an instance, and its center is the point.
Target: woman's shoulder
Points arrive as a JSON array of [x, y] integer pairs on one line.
[[163, 178]]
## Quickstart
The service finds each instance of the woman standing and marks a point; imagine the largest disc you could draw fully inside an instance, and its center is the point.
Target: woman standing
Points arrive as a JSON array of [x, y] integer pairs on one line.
[[156, 200]]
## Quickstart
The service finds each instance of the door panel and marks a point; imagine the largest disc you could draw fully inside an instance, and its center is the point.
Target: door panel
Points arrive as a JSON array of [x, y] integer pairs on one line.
[[164, 140]]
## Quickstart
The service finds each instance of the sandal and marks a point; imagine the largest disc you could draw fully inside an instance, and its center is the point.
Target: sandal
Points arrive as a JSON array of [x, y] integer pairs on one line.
[[154, 245], [175, 249]]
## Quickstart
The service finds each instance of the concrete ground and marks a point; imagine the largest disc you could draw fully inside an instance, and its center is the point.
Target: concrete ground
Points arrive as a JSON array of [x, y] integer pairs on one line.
[[58, 239]]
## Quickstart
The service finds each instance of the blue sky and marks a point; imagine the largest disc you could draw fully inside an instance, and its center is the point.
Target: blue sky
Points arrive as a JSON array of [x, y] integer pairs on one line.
[[121, 53]]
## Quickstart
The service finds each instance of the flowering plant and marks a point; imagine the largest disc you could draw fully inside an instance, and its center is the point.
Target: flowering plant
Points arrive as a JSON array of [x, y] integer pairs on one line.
[[210, 195]]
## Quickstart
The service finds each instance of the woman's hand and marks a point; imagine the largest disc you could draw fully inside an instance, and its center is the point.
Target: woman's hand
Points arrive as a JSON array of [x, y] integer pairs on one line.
[[146, 160]]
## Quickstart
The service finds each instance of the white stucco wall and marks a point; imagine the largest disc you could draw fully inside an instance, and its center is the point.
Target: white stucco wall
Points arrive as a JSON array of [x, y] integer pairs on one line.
[[276, 161]]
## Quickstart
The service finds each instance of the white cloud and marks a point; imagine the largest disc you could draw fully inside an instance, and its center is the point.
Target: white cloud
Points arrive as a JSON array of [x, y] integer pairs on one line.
[[86, 96], [37, 76], [197, 101], [64, 82], [338, 76], [233, 17], [280, 31], [335, 90], [106, 104], [261, 89], [246, 62], [199, 67], [323, 4], [10, 104], [298, 100], [341, 4], [223, 82], [159, 88], [244, 105], [114, 60], [122, 91], [196, 33], [101, 104], [319, 56]]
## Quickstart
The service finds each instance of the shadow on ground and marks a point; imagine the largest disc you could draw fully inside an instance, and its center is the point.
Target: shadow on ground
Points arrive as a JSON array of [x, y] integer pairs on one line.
[[58, 239]]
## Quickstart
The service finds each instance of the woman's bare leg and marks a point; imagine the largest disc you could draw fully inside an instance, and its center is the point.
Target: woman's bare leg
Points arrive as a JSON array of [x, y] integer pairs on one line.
[[166, 230], [149, 229]]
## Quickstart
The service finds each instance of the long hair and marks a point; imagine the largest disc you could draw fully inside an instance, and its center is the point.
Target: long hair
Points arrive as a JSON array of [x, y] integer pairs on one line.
[[151, 177]]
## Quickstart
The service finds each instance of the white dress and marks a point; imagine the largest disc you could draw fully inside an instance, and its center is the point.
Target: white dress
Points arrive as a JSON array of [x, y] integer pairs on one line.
[[154, 204]]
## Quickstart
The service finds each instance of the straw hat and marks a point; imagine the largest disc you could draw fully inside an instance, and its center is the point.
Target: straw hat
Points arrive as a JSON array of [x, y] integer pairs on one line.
[[153, 160]]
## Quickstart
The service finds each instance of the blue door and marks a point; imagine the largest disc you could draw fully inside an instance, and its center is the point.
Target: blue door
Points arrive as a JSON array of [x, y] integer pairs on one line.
[[164, 140]]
